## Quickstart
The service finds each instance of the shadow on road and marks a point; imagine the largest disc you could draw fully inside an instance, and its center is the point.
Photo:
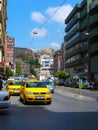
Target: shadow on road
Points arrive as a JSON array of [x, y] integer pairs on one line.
[[34, 117]]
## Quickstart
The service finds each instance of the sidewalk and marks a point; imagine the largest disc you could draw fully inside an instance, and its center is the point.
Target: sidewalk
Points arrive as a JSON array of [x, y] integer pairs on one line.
[[77, 91]]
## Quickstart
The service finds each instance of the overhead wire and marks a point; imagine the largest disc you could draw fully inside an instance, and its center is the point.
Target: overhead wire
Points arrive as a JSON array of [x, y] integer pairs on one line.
[[48, 19], [52, 14]]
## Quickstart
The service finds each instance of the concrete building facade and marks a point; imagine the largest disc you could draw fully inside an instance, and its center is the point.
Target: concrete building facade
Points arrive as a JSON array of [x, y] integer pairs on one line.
[[9, 52], [57, 60], [82, 40], [63, 54], [46, 69], [3, 18]]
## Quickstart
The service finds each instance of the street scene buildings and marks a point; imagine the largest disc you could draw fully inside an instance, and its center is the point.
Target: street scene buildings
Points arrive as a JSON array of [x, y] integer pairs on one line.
[[78, 54], [3, 18], [81, 40], [49, 89]]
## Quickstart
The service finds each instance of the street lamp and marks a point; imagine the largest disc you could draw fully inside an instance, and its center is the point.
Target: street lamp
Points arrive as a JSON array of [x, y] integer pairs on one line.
[[35, 32], [89, 57]]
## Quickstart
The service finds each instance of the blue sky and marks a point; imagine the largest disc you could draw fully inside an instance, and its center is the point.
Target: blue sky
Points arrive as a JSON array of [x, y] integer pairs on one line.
[[26, 17]]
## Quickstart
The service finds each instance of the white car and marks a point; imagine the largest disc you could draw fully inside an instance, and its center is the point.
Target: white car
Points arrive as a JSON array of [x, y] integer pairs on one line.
[[4, 99]]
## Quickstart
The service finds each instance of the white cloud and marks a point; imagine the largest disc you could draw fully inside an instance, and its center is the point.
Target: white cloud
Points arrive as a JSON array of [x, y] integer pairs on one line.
[[38, 17], [55, 44], [39, 32], [61, 14]]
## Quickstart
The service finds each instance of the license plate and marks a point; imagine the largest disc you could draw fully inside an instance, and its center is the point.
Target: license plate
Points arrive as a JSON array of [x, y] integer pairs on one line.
[[16, 91], [39, 97]]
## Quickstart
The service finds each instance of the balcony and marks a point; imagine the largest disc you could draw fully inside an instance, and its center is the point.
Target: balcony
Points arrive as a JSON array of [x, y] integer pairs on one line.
[[84, 13], [94, 35], [73, 42], [84, 25], [94, 64], [74, 11], [84, 48], [85, 60], [75, 30], [75, 52], [74, 63], [75, 19], [94, 47], [93, 7], [93, 20], [83, 3]]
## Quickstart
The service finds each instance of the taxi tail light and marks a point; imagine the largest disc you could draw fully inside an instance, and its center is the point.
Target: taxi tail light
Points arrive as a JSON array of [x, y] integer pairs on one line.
[[6, 98]]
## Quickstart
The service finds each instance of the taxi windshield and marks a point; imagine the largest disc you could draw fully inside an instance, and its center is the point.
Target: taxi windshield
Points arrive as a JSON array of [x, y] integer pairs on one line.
[[15, 83], [35, 85]]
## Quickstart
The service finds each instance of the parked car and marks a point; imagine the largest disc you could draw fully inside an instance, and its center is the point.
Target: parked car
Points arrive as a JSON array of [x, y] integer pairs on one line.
[[4, 99], [50, 85], [35, 91]]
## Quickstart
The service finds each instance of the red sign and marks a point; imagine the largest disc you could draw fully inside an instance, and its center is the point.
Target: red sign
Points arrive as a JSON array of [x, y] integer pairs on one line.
[[1, 64]]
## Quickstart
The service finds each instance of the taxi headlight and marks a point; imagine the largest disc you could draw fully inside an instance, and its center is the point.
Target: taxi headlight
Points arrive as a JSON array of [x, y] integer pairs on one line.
[[48, 92], [29, 93], [10, 89]]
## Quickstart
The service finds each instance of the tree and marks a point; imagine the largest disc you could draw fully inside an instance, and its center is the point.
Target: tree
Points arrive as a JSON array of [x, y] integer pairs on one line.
[[26, 57], [9, 72], [33, 72], [61, 74], [35, 63], [18, 68]]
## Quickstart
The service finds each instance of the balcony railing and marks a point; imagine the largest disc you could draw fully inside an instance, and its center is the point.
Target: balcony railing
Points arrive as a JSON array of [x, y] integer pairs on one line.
[[74, 63], [94, 47], [93, 19]]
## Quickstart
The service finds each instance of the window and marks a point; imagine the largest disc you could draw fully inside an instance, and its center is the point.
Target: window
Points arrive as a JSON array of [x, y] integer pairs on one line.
[[9, 46]]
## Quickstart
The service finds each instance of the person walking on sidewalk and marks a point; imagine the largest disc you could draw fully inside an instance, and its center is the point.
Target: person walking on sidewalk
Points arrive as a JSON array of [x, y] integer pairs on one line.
[[1, 83]]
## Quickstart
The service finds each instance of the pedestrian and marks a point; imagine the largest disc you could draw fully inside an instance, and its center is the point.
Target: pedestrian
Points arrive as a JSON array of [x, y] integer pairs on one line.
[[1, 83]]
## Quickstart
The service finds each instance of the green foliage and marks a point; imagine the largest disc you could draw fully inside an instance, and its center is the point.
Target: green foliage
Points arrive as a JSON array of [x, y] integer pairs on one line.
[[61, 74], [33, 72], [26, 57], [35, 63], [18, 68], [9, 72]]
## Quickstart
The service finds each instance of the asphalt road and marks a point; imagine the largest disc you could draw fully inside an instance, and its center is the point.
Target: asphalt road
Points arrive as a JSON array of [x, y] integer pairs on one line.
[[68, 111]]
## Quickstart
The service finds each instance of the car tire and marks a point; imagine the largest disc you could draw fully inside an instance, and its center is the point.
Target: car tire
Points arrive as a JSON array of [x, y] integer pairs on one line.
[[24, 101], [20, 99], [49, 102]]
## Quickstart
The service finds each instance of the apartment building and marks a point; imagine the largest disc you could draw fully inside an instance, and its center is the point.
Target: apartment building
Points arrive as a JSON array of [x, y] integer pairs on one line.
[[93, 39], [57, 60], [9, 52], [3, 18], [25, 66], [63, 54], [81, 40], [46, 69], [20, 51]]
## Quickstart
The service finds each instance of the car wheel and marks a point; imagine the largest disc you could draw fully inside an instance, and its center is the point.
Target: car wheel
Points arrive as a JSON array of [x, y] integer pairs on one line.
[[24, 101], [49, 102], [52, 91], [20, 99]]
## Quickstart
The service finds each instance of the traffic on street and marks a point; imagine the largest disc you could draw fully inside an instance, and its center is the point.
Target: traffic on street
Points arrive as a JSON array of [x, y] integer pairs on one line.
[[49, 65], [68, 111]]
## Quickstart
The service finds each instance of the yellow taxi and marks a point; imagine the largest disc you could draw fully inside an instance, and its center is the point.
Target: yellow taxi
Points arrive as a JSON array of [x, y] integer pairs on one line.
[[13, 87], [35, 91]]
